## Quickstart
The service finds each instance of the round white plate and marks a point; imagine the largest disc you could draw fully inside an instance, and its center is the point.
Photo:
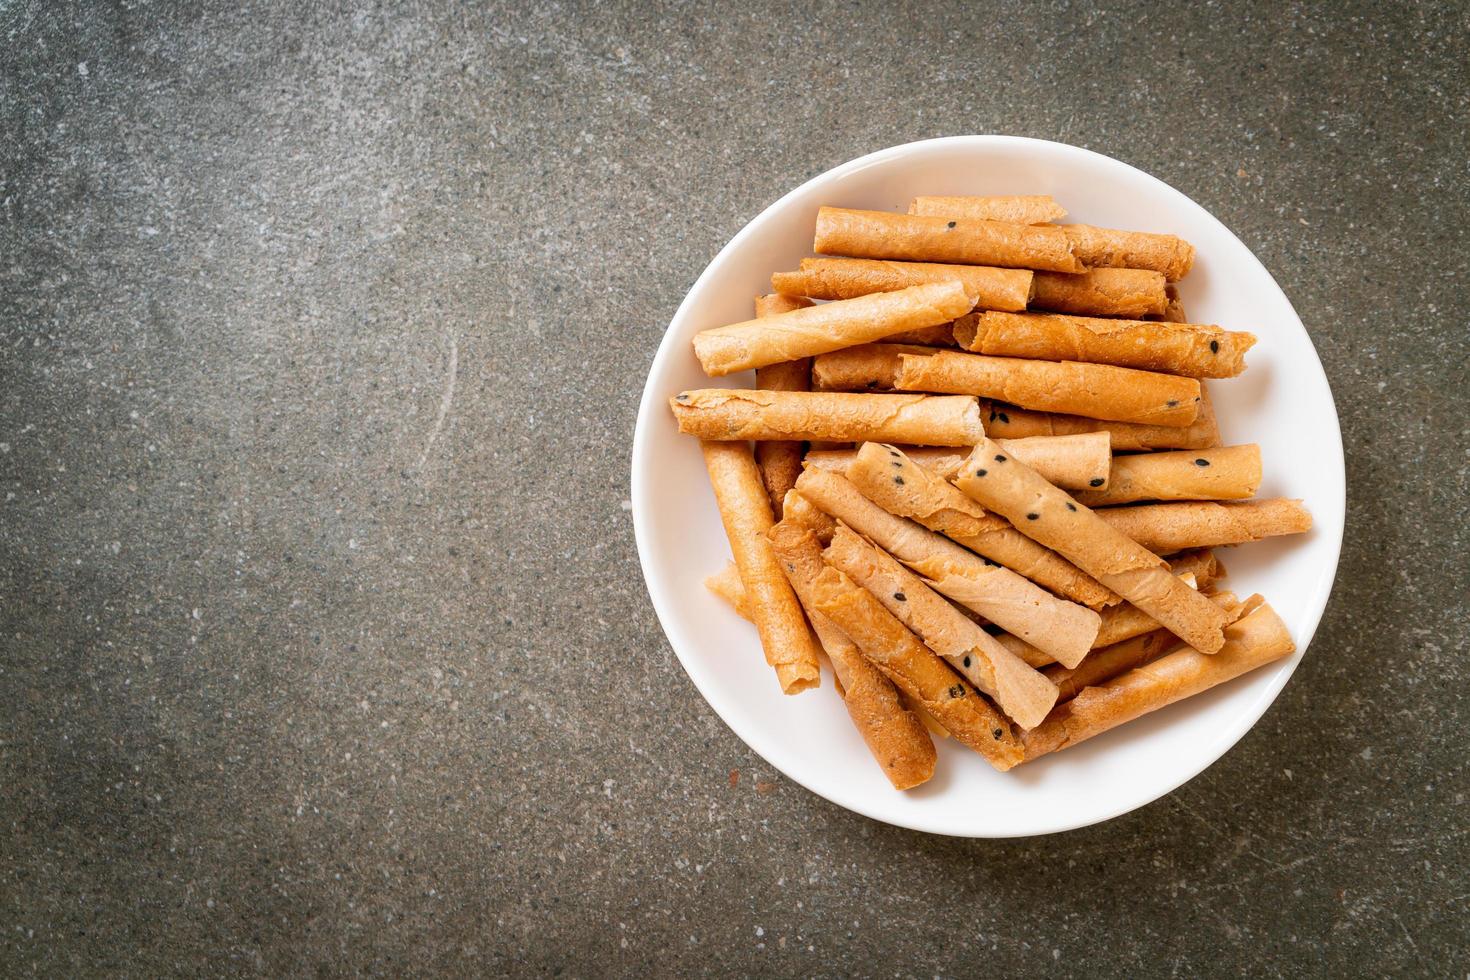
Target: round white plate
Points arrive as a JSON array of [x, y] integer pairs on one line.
[[1282, 402]]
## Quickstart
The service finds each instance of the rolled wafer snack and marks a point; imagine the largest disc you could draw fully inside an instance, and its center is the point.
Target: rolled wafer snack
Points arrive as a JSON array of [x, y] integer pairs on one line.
[[1037, 658], [746, 513], [1006, 421], [1078, 461], [941, 335], [1195, 350], [1226, 473], [740, 414], [816, 329], [1199, 569], [1166, 528], [796, 509], [912, 667], [894, 735], [1108, 662], [1100, 391], [926, 497], [823, 278], [1020, 690], [1061, 628], [919, 238], [1117, 249], [1122, 622], [858, 684], [780, 461], [1106, 292], [1023, 209], [1252, 641], [1050, 517], [866, 367]]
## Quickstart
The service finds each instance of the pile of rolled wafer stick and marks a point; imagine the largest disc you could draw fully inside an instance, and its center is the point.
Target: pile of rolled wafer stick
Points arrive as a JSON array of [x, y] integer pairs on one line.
[[985, 479]]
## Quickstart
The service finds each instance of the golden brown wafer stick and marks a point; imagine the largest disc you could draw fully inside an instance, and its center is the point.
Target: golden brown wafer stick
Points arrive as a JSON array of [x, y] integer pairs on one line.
[[816, 329], [746, 513], [1105, 292], [1199, 569], [1108, 662], [1007, 421], [1125, 621], [1052, 518], [912, 667], [1023, 209], [796, 509], [1019, 690], [812, 330], [1096, 390], [1226, 473], [739, 413], [926, 497], [1253, 641], [894, 735], [942, 461], [1113, 248], [1077, 461], [1136, 620], [1165, 528], [1063, 629], [995, 289], [917, 238], [866, 367], [941, 335], [1194, 350], [780, 461]]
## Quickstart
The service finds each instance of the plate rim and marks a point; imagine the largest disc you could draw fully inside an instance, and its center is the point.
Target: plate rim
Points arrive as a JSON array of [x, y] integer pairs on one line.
[[651, 401]]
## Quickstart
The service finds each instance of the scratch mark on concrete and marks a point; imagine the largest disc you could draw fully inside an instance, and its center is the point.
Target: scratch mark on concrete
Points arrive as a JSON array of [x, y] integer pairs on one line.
[[446, 399]]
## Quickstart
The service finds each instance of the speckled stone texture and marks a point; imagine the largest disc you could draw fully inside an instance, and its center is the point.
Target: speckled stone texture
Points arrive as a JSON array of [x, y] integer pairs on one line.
[[323, 643]]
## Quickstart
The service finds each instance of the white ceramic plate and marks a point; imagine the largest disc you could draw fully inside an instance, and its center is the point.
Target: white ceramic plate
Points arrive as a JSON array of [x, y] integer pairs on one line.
[[1282, 402]]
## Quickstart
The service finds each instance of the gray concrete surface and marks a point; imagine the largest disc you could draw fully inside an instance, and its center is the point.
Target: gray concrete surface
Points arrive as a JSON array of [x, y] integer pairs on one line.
[[323, 644]]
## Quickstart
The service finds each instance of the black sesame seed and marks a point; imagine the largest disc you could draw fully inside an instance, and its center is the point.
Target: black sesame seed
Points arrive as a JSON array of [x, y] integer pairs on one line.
[[997, 733], [1032, 517], [958, 691], [683, 396], [893, 452], [967, 661], [1171, 402], [1202, 462], [1071, 506], [900, 597], [951, 224], [981, 472], [898, 480], [1005, 418], [896, 465], [1096, 481], [1214, 347], [999, 458]]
